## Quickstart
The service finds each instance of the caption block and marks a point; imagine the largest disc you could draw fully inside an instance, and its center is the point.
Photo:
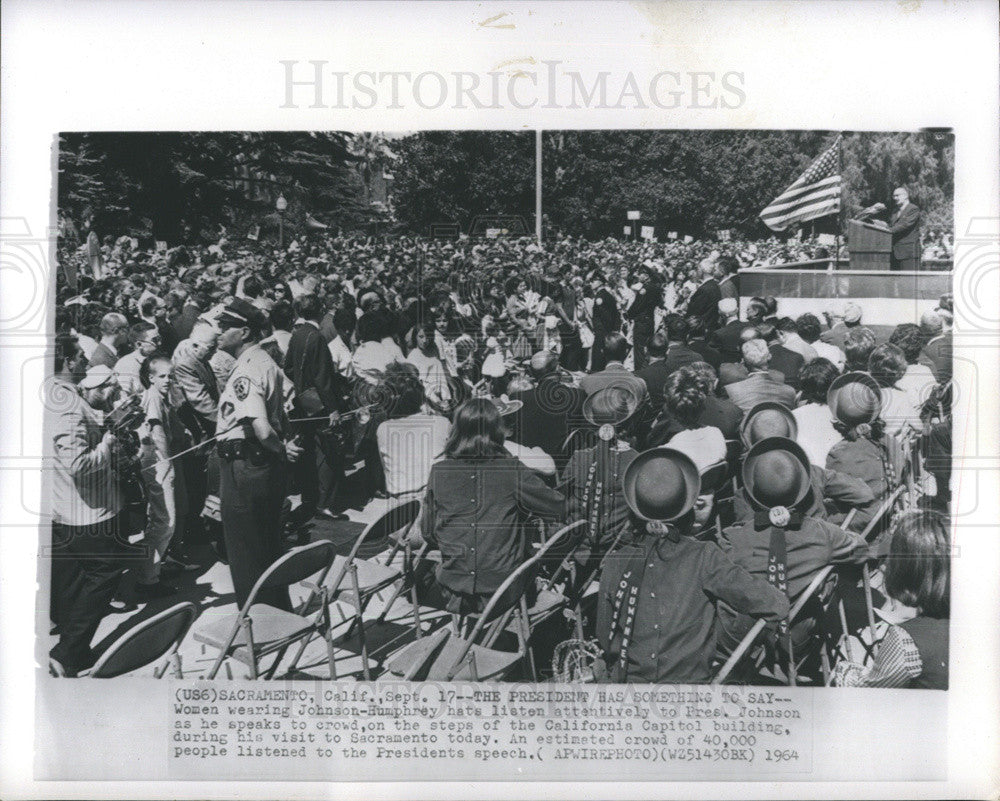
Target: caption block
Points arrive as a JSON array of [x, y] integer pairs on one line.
[[550, 730]]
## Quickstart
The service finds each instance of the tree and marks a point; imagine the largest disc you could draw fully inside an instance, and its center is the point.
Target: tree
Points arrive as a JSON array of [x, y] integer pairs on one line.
[[698, 182], [459, 178], [180, 187]]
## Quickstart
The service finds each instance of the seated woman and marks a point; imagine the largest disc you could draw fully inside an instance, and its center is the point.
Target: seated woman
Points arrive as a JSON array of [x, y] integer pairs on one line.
[[781, 542], [917, 574], [814, 426], [855, 399], [887, 365], [425, 357], [410, 440], [477, 498], [592, 477], [679, 426], [658, 597]]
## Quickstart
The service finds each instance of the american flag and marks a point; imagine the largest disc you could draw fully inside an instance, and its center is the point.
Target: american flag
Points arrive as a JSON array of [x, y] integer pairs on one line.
[[815, 193]]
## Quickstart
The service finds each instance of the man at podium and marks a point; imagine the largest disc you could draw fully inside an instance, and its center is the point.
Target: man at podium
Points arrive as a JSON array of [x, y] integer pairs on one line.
[[905, 229]]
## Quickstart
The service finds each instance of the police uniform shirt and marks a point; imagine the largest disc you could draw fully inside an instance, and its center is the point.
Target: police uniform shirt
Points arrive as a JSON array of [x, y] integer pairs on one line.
[[255, 390]]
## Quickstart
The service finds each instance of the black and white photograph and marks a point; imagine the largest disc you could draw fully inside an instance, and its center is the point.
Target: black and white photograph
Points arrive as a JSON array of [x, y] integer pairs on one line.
[[342, 405]]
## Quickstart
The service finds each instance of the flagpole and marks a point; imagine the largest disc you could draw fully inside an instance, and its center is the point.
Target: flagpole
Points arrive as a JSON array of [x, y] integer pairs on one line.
[[835, 262], [538, 186]]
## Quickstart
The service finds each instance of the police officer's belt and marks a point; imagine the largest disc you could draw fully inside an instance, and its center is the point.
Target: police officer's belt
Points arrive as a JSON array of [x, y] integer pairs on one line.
[[254, 452]]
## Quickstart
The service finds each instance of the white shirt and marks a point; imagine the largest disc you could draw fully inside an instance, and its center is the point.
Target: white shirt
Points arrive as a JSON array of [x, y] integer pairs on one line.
[[816, 433], [898, 410], [341, 355], [409, 447], [917, 382], [824, 350], [533, 458], [433, 375], [706, 445], [127, 371], [372, 357]]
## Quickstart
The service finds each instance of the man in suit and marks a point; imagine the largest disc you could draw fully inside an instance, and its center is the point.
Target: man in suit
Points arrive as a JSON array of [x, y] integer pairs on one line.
[[727, 270], [615, 374], [550, 410], [704, 302], [697, 341], [114, 337], [728, 338], [309, 365], [783, 359], [905, 229], [656, 373], [607, 319], [759, 385]]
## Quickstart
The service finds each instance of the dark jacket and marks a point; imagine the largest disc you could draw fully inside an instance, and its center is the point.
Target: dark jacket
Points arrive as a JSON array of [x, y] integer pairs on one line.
[[680, 581], [310, 367], [809, 548], [704, 303], [472, 513], [550, 411], [707, 353], [642, 309], [788, 362], [723, 414], [728, 340], [905, 228], [606, 315]]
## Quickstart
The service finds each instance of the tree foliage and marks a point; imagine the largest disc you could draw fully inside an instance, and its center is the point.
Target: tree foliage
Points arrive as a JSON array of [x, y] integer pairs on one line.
[[460, 178], [697, 182], [179, 186]]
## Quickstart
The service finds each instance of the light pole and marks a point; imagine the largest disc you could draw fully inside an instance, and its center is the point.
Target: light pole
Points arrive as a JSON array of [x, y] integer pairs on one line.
[[281, 204]]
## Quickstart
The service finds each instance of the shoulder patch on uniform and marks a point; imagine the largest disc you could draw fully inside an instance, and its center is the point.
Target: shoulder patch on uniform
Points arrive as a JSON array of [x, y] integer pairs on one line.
[[241, 386]]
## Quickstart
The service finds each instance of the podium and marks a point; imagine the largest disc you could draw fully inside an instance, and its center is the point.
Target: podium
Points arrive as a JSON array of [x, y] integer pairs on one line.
[[869, 246]]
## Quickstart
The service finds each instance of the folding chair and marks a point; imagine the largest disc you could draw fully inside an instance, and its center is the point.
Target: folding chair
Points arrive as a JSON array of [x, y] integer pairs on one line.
[[751, 636], [367, 576], [156, 638], [713, 479], [577, 439], [258, 630], [447, 655]]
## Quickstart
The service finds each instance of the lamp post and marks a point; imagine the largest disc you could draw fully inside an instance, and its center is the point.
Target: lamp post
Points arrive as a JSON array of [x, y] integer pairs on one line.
[[281, 204]]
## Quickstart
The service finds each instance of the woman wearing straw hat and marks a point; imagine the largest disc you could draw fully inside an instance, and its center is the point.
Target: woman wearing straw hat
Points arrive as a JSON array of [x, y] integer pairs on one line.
[[657, 602]]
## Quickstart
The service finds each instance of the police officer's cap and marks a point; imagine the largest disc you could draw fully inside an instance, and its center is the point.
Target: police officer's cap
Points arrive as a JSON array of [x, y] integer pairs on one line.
[[239, 312], [661, 484], [768, 419], [776, 473], [854, 398]]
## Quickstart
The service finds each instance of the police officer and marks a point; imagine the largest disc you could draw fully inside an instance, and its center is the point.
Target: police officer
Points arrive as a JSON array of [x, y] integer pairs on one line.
[[253, 453]]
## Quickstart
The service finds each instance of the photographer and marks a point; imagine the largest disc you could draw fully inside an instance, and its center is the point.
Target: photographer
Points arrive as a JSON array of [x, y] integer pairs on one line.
[[89, 546]]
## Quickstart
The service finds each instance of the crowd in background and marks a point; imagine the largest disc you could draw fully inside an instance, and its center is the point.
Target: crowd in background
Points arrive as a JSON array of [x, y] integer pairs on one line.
[[501, 349]]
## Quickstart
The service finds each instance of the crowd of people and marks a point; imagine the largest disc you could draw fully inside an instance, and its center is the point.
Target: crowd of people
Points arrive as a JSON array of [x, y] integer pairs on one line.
[[209, 403]]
